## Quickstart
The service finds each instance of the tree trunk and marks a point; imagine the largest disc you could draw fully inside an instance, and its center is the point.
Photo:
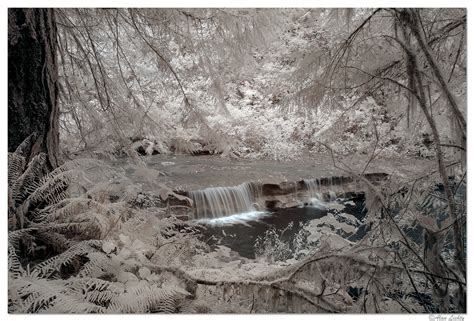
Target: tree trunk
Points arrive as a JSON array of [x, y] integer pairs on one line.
[[32, 83]]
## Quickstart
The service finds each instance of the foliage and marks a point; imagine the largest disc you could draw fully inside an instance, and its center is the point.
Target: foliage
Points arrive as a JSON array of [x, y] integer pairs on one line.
[[215, 81], [274, 246], [59, 261], [186, 89]]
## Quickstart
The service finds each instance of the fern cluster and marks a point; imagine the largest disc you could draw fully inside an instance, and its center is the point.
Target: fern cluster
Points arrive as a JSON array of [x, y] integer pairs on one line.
[[59, 258]]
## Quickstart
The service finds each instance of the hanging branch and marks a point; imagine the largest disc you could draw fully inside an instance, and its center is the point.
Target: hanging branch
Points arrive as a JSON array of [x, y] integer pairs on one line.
[[175, 75], [343, 49], [461, 42], [409, 16]]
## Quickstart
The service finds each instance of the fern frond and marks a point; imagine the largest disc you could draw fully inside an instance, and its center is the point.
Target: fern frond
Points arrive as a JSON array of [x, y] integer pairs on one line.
[[98, 265], [52, 187], [54, 264], [71, 304], [146, 298], [14, 237], [96, 291], [30, 179], [14, 266], [57, 241], [67, 208], [48, 296], [25, 147], [16, 166], [13, 220], [37, 293], [73, 230], [88, 284]]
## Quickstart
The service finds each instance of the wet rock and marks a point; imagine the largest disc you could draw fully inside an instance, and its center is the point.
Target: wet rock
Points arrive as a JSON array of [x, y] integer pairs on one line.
[[291, 204], [273, 204], [140, 150], [179, 200], [279, 189], [280, 204], [148, 147], [183, 218], [183, 213]]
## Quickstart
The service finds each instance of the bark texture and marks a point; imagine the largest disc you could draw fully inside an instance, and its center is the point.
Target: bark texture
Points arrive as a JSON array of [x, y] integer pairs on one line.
[[32, 83]]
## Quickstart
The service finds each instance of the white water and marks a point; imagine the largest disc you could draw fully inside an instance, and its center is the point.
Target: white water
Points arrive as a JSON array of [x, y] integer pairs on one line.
[[236, 204], [313, 186], [316, 202], [217, 202], [241, 218]]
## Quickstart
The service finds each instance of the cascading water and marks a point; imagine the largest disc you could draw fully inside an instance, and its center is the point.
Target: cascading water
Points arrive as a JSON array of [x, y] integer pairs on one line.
[[313, 186], [334, 185], [216, 202]]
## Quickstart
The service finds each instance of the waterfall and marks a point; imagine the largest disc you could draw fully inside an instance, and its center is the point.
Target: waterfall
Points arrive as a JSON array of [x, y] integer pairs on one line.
[[315, 196], [313, 186], [331, 186], [215, 202]]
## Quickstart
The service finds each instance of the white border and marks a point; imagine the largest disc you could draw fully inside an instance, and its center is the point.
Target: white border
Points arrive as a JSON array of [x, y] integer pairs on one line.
[[236, 3], [207, 3]]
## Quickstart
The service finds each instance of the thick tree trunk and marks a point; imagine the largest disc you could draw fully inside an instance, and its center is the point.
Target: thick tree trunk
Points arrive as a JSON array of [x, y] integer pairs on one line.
[[32, 83]]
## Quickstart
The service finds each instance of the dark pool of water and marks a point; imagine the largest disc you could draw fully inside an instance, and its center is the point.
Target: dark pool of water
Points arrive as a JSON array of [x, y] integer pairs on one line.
[[241, 237]]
